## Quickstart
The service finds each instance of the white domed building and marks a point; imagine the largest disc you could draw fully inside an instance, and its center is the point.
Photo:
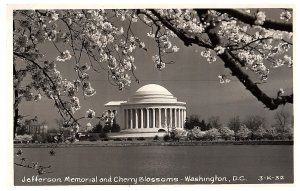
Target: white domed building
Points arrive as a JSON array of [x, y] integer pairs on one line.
[[151, 109]]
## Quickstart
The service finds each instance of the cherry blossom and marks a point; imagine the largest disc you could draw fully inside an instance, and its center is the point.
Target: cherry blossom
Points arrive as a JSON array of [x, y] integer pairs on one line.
[[90, 114], [88, 126], [286, 15], [219, 49], [223, 79], [66, 55], [175, 49], [260, 18]]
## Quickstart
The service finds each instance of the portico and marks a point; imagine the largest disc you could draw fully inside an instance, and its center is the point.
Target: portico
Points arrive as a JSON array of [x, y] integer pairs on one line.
[[145, 116]]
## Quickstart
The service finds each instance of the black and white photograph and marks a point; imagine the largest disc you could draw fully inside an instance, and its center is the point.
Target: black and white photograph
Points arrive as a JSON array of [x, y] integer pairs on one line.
[[152, 96]]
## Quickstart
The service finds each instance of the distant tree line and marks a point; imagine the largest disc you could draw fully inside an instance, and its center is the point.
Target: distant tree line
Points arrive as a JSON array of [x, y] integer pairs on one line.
[[252, 128], [61, 134]]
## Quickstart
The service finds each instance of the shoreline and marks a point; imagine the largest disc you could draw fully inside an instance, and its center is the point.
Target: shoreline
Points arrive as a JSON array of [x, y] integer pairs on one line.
[[148, 143]]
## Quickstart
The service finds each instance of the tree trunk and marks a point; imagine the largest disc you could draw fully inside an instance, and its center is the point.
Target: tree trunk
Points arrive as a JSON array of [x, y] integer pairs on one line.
[[16, 116], [16, 105]]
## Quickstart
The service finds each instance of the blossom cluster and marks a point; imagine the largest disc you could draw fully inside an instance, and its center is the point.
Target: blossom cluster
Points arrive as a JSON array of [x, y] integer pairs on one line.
[[286, 15], [185, 20], [66, 55], [219, 49], [108, 41], [255, 63], [260, 18], [257, 46], [90, 114], [207, 54], [223, 79], [108, 116], [159, 64]]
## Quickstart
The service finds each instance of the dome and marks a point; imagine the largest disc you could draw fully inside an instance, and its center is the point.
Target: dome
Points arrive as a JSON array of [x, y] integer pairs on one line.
[[152, 93], [153, 88]]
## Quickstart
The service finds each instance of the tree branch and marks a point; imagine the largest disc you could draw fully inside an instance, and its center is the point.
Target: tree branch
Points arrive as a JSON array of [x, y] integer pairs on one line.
[[250, 19], [52, 83], [233, 65], [188, 41]]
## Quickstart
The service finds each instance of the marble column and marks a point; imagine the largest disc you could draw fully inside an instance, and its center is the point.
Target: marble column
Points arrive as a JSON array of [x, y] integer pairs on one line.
[[171, 117], [175, 116], [131, 119], [184, 116], [125, 118], [159, 117], [182, 121], [153, 117], [142, 118], [147, 111], [136, 119], [128, 118], [166, 121]]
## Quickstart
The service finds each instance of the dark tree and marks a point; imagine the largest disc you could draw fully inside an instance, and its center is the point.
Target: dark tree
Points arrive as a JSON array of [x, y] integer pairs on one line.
[[283, 119], [97, 128], [253, 122], [234, 123], [215, 122]]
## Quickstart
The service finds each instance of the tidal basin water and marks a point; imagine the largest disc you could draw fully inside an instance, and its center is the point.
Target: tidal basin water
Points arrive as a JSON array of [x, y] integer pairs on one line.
[[217, 164]]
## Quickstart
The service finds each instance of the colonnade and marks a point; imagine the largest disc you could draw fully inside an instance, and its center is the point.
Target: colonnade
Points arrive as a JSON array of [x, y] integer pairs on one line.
[[154, 117]]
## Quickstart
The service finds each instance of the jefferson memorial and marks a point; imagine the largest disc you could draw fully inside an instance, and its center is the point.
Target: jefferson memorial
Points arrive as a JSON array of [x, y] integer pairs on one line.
[[151, 109]]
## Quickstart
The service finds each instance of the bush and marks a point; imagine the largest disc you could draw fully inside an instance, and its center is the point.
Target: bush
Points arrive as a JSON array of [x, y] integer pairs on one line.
[[115, 128], [288, 133], [156, 138], [177, 134], [117, 139], [166, 138], [129, 139], [271, 133], [107, 128], [93, 139], [197, 134], [140, 139], [24, 138], [97, 128], [105, 139], [102, 135]]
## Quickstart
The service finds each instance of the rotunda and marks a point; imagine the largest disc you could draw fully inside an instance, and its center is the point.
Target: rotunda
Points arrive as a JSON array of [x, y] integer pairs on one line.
[[152, 108]]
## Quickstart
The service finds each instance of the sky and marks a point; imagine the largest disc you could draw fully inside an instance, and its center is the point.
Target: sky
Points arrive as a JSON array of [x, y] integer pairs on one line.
[[191, 79]]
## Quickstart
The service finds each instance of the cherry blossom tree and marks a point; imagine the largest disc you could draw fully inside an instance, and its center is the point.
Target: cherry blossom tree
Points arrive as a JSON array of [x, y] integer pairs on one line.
[[260, 133], [283, 120], [246, 41], [226, 133], [212, 134], [243, 133], [177, 134], [253, 122], [197, 133]]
